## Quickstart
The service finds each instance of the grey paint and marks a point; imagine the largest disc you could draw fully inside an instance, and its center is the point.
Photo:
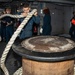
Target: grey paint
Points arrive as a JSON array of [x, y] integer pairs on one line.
[[61, 16]]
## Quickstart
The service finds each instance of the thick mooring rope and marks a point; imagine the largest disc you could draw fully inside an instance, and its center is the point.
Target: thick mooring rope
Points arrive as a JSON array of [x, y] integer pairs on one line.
[[10, 15], [14, 36], [18, 72]]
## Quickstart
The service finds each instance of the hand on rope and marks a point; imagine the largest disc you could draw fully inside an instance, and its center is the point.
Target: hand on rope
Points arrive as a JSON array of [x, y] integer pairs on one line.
[[14, 36]]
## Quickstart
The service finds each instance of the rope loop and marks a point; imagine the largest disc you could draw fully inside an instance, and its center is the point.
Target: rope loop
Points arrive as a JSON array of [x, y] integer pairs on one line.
[[12, 39]]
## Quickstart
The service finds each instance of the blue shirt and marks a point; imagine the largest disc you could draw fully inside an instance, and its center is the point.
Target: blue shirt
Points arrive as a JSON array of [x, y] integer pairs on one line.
[[27, 30]]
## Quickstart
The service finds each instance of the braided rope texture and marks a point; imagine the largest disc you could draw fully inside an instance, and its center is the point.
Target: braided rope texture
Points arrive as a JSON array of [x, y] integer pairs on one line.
[[12, 39], [10, 15], [18, 72]]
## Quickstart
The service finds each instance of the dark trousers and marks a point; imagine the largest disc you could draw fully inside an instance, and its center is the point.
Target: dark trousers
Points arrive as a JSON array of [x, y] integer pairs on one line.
[[9, 32], [3, 33], [72, 31]]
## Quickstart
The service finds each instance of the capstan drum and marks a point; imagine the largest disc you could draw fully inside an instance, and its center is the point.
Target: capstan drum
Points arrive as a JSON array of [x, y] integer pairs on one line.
[[46, 55]]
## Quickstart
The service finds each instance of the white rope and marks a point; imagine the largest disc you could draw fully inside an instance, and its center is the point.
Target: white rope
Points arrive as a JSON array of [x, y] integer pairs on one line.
[[8, 46], [18, 72], [10, 15]]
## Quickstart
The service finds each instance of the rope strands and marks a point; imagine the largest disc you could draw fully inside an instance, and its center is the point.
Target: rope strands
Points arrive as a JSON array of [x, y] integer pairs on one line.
[[12, 39], [10, 15], [18, 72]]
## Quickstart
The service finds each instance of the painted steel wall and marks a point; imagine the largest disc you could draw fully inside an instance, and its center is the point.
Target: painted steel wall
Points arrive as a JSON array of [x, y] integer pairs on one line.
[[61, 15]]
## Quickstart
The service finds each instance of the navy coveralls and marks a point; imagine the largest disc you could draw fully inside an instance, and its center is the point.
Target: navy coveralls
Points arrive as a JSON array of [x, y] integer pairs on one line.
[[47, 28], [9, 28], [27, 30]]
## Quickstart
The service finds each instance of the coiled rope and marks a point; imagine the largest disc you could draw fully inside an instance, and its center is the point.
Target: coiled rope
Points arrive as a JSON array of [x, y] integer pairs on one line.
[[12, 39]]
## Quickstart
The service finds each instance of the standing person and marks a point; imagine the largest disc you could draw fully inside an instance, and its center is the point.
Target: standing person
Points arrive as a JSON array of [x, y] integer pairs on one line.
[[72, 28], [3, 28], [9, 25], [27, 30], [47, 28]]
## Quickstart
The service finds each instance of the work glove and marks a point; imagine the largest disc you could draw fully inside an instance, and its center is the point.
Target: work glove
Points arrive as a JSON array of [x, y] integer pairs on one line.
[[41, 30], [0, 38]]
